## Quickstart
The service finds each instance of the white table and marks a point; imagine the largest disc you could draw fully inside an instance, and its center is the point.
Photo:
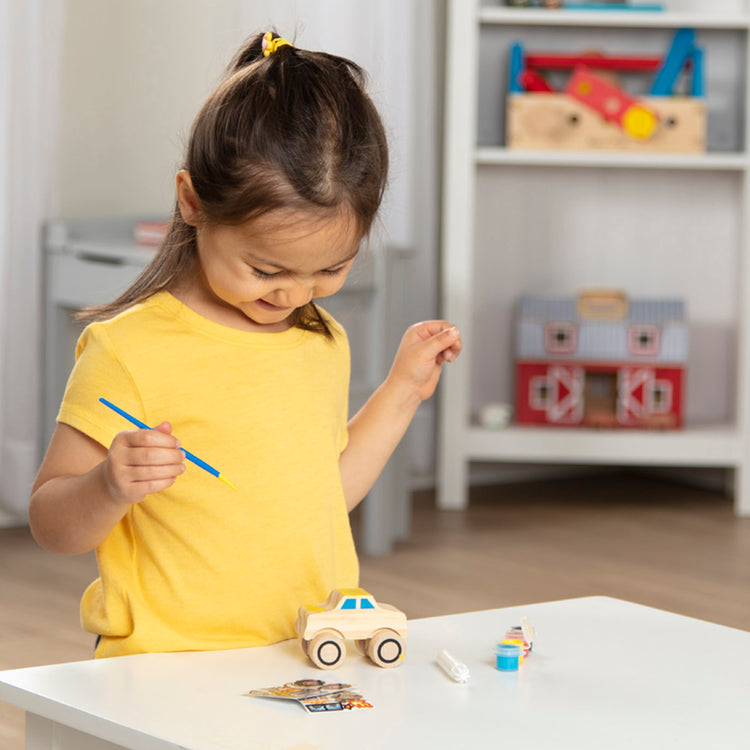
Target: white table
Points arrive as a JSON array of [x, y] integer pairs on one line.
[[604, 673]]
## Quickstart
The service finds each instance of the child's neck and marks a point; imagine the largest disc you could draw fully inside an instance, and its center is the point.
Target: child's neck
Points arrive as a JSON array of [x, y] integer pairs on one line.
[[207, 305]]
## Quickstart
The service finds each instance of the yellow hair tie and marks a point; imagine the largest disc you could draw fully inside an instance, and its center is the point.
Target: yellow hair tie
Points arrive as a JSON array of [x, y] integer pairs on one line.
[[269, 45]]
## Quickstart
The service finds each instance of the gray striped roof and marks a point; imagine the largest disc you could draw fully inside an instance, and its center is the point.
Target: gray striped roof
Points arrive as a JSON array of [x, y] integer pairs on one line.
[[565, 308], [602, 340]]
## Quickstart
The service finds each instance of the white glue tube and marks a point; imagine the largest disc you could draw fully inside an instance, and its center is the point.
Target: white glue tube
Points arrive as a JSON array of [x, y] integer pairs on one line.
[[454, 669]]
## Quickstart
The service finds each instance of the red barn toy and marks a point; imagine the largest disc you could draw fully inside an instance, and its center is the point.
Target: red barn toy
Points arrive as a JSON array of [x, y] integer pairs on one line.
[[601, 360]]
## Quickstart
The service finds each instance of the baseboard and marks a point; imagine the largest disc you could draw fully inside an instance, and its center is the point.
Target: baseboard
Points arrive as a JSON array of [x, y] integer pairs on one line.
[[488, 474], [712, 479]]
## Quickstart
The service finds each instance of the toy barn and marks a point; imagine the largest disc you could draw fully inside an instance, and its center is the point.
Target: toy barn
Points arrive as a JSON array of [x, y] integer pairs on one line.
[[600, 360]]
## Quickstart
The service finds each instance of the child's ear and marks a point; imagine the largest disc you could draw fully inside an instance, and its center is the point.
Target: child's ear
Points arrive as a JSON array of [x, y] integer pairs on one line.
[[187, 199]]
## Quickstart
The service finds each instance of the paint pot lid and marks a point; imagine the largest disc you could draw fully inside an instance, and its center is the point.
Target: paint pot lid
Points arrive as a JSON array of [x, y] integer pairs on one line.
[[507, 649]]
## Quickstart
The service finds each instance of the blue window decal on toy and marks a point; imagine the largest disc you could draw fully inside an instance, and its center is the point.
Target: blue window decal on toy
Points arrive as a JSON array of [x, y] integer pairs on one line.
[[349, 604], [366, 604]]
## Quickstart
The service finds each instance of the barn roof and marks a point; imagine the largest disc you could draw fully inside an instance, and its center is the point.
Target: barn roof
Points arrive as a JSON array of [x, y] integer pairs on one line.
[[602, 340], [656, 311]]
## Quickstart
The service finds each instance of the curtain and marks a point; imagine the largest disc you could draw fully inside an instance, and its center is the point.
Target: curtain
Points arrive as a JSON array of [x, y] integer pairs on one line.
[[30, 49]]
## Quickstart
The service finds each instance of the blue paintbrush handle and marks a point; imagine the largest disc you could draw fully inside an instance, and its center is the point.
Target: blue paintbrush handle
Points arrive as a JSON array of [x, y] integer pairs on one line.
[[137, 422], [129, 417], [197, 461]]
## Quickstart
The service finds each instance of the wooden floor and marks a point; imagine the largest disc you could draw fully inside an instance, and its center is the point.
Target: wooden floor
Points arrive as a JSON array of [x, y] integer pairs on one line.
[[620, 535]]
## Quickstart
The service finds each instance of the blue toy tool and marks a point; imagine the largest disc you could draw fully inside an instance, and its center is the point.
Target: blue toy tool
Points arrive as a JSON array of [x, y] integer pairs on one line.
[[679, 53], [190, 457], [698, 87], [516, 68]]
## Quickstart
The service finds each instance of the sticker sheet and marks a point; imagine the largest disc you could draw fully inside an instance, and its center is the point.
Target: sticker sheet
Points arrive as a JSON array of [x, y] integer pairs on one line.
[[316, 696]]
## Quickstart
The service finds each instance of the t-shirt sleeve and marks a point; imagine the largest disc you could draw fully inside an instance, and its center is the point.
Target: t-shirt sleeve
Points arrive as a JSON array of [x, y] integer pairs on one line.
[[98, 372]]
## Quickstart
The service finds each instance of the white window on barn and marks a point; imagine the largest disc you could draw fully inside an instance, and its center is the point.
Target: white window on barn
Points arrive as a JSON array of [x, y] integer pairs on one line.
[[540, 392], [560, 337], [643, 340], [660, 397]]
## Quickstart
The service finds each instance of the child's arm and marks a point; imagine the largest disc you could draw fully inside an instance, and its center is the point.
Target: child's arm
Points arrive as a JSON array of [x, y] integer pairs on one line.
[[375, 431], [82, 490]]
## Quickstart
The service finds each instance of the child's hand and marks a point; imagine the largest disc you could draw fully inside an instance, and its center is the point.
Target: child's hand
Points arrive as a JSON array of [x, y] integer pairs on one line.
[[141, 462], [423, 349]]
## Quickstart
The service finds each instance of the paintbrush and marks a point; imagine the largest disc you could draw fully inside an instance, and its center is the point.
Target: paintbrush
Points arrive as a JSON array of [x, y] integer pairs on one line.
[[190, 456]]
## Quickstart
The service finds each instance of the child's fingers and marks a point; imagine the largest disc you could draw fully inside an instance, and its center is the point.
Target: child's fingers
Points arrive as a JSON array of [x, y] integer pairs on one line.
[[157, 447], [133, 483], [445, 345], [426, 329], [155, 473], [160, 435], [153, 457], [141, 462], [147, 438], [148, 487], [449, 355], [146, 450]]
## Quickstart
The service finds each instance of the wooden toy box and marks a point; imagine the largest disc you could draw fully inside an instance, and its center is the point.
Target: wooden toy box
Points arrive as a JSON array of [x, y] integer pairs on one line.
[[558, 121]]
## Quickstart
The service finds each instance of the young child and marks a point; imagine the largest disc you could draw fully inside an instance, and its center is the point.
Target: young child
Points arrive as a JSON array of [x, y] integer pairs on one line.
[[219, 343]]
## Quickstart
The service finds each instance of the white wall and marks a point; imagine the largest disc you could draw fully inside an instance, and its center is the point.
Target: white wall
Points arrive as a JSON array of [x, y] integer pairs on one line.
[[134, 75]]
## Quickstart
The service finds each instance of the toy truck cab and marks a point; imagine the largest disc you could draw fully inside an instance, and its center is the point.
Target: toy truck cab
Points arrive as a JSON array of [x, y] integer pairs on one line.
[[378, 630]]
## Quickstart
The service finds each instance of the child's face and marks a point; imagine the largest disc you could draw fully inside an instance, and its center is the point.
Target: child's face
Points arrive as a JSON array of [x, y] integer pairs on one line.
[[255, 275]]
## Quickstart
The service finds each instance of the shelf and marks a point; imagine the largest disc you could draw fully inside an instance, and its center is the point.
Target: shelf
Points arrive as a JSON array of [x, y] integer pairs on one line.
[[553, 221], [729, 162], [715, 445], [607, 18]]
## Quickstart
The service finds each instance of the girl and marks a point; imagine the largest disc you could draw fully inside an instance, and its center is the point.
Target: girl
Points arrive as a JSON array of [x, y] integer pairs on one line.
[[219, 342]]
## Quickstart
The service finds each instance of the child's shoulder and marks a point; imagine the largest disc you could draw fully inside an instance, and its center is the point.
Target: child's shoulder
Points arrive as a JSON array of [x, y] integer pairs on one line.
[[331, 322], [137, 320], [145, 308]]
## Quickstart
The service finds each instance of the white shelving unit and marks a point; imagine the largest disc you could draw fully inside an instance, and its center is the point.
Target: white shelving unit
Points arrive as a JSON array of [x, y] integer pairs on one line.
[[501, 206]]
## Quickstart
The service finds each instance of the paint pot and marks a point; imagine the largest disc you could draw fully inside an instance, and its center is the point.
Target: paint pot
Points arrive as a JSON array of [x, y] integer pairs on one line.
[[520, 643], [508, 657]]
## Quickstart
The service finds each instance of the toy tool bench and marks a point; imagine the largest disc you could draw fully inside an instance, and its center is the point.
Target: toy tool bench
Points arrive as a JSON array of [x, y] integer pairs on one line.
[[592, 110]]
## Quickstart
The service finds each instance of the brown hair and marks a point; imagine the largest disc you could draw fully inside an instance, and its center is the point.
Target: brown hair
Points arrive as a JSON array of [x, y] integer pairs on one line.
[[294, 130]]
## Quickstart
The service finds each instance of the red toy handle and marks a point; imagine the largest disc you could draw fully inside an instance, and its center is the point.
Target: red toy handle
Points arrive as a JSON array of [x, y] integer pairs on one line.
[[612, 103]]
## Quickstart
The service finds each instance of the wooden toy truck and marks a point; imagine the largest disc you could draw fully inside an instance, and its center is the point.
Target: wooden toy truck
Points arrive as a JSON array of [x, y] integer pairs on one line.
[[378, 630]]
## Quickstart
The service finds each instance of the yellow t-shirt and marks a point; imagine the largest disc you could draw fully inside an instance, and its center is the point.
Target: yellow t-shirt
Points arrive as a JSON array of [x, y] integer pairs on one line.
[[201, 566]]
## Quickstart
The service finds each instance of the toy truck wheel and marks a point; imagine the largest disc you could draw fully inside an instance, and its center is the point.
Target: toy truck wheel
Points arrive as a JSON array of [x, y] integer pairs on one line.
[[305, 646], [361, 644], [327, 649], [386, 648]]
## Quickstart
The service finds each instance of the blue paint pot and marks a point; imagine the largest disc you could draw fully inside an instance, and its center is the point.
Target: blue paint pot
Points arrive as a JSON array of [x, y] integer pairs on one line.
[[508, 657]]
